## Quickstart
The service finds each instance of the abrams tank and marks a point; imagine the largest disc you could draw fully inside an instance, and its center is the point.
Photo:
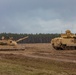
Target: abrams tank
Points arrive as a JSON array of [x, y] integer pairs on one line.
[[67, 41], [10, 44]]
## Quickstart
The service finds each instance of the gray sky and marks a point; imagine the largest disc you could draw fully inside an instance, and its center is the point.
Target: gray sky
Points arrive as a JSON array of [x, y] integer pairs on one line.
[[37, 16]]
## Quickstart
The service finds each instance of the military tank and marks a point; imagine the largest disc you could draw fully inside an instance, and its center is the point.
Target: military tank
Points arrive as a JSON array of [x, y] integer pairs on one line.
[[10, 44], [67, 41]]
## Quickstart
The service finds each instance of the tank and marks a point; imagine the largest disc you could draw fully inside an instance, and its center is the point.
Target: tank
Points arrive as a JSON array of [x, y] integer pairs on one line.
[[66, 41], [10, 44]]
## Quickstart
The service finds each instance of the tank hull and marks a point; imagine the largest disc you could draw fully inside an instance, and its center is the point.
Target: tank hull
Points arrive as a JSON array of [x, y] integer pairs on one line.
[[65, 42], [11, 48]]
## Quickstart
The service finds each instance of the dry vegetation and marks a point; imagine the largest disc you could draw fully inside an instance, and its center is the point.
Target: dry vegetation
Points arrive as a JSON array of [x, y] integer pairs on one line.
[[38, 59]]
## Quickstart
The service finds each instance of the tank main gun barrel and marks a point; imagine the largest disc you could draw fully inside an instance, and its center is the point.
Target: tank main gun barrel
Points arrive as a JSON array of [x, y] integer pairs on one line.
[[22, 39]]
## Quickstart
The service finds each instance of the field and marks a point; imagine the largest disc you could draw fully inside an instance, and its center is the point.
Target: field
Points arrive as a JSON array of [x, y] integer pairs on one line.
[[38, 59]]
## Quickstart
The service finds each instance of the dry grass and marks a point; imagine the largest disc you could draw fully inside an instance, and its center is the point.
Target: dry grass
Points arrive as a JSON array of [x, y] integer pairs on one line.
[[19, 65]]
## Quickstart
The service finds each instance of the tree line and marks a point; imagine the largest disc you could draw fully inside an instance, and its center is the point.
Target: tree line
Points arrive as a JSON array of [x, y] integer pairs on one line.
[[32, 38]]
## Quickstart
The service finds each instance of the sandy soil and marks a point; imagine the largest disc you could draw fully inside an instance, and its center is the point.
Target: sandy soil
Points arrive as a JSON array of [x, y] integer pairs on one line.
[[44, 51]]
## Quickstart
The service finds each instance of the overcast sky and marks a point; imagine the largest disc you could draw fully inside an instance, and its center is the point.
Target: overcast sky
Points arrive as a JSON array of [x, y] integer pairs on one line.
[[37, 16]]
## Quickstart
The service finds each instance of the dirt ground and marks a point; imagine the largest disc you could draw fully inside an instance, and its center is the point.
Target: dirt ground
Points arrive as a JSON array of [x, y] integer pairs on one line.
[[44, 51], [38, 59]]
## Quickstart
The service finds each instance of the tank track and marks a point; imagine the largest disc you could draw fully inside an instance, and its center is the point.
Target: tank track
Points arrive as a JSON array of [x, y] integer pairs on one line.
[[68, 47], [11, 48], [65, 48]]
